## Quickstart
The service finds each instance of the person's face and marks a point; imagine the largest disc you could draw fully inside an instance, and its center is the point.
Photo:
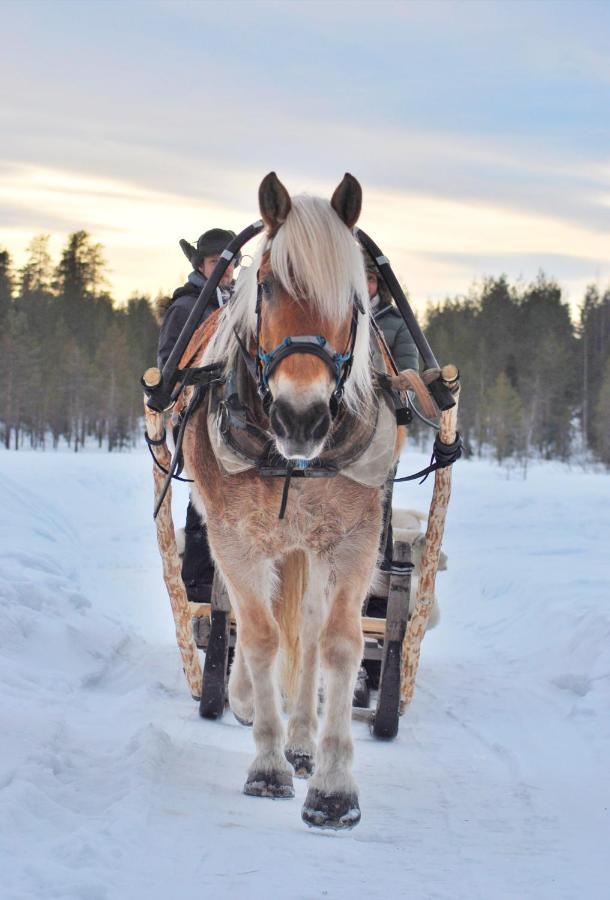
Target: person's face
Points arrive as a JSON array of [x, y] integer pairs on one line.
[[208, 265], [371, 280]]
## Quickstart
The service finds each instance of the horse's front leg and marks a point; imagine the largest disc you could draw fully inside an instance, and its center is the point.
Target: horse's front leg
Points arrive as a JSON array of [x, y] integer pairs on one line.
[[303, 723], [332, 798], [269, 775]]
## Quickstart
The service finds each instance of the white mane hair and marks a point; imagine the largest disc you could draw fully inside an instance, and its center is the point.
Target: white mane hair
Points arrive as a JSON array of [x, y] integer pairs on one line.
[[314, 256]]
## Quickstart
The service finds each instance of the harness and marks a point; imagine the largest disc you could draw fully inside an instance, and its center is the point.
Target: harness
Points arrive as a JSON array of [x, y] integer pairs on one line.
[[237, 417], [237, 420], [238, 426]]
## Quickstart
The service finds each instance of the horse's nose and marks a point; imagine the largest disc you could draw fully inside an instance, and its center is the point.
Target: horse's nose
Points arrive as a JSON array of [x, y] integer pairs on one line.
[[300, 431]]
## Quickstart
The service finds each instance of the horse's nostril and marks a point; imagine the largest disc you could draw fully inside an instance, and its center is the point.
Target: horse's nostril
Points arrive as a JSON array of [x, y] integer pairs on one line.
[[320, 428]]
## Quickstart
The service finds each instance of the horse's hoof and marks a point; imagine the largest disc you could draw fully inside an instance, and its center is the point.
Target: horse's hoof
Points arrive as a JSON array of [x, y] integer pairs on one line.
[[337, 811], [277, 785], [301, 762]]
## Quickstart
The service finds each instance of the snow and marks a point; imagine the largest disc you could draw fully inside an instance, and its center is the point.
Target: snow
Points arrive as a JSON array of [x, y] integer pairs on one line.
[[112, 787]]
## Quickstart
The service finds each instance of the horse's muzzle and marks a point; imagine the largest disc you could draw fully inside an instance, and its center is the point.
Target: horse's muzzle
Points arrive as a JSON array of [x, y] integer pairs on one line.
[[300, 433]]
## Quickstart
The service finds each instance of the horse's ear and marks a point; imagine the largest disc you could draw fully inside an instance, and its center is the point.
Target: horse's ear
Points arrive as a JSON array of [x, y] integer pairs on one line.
[[347, 200], [274, 202]]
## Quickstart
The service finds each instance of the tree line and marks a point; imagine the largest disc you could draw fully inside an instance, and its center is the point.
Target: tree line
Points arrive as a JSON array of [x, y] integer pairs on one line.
[[535, 382], [70, 358]]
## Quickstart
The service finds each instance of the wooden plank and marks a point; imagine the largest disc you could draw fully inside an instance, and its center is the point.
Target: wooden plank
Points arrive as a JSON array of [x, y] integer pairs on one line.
[[374, 628]]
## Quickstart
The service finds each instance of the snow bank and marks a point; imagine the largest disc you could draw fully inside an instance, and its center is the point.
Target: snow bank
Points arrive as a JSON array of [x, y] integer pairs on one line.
[[111, 786]]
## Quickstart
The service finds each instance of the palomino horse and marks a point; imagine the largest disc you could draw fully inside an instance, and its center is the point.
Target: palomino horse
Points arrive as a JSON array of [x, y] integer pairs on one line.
[[297, 584]]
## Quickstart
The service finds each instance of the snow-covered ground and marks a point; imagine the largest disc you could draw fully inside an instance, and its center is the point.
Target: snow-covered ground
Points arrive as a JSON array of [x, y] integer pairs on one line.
[[112, 787]]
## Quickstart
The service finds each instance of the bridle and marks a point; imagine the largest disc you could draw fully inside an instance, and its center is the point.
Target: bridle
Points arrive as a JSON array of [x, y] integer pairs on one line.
[[340, 364]]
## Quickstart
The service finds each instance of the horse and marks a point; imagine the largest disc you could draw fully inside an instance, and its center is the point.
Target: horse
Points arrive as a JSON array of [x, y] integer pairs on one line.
[[297, 583]]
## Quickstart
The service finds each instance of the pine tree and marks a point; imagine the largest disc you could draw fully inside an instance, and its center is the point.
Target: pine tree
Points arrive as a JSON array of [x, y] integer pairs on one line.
[[6, 284], [504, 419], [548, 376], [18, 377], [594, 339], [81, 269], [37, 273], [601, 419]]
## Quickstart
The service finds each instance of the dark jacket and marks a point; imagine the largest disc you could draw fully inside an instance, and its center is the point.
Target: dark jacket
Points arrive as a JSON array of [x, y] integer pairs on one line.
[[183, 300], [397, 336]]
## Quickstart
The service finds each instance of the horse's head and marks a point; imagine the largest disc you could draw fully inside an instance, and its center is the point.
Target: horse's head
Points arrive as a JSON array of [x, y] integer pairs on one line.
[[311, 313]]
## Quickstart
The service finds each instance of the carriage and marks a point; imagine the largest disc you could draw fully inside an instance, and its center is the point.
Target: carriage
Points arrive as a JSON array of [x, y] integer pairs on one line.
[[262, 432]]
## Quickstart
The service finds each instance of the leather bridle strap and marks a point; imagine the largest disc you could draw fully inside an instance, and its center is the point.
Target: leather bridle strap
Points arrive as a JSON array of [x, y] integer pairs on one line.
[[316, 345]]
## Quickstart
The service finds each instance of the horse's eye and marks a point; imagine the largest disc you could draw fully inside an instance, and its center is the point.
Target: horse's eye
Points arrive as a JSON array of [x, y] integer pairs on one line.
[[267, 285]]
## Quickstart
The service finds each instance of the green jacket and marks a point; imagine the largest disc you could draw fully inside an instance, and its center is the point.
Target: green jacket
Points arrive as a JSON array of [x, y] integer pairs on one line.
[[398, 337]]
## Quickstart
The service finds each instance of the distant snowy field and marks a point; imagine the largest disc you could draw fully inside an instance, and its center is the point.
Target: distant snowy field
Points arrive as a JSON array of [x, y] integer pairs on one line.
[[112, 788]]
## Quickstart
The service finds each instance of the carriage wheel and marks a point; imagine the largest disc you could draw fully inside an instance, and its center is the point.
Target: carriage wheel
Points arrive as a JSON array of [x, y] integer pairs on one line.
[[213, 689], [384, 723]]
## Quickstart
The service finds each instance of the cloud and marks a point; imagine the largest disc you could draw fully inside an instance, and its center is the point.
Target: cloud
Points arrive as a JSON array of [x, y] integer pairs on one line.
[[435, 243], [477, 134], [139, 228]]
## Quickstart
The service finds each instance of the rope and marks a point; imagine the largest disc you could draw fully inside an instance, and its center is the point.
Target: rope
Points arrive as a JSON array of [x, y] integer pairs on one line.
[[443, 455], [177, 451], [158, 443]]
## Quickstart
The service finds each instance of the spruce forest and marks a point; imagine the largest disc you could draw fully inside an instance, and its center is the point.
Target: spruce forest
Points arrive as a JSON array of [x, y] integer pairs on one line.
[[535, 382], [70, 358]]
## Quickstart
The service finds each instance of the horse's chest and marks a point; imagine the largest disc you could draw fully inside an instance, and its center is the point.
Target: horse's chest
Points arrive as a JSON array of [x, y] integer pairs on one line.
[[318, 515]]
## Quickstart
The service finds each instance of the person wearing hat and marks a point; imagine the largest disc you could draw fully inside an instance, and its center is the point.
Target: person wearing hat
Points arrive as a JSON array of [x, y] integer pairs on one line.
[[397, 336], [197, 563], [405, 354], [203, 257]]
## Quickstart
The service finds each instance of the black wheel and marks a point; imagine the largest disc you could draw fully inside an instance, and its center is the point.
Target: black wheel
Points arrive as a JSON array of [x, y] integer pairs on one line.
[[213, 689], [384, 724]]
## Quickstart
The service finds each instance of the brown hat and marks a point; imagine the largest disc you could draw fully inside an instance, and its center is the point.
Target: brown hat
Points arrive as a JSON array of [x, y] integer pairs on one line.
[[211, 243]]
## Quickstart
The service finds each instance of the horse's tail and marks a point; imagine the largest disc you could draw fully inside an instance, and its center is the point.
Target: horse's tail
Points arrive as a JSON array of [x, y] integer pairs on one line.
[[293, 582]]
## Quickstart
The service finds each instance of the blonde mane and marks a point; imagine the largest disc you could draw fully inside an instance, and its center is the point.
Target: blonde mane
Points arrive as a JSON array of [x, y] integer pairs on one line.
[[314, 256]]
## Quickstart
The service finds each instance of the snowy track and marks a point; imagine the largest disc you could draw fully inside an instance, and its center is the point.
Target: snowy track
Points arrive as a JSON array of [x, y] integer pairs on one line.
[[112, 788]]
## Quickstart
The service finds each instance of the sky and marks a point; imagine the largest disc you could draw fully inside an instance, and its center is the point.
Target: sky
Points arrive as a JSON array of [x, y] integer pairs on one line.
[[480, 131]]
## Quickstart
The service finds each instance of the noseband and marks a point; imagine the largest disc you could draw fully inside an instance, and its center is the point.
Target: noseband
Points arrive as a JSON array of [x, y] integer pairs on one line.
[[340, 364]]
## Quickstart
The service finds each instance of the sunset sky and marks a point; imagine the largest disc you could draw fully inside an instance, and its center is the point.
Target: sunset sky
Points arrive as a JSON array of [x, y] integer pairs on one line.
[[480, 131]]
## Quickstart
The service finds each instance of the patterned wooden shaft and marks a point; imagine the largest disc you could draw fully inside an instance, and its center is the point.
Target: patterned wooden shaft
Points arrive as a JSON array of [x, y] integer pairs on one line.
[[434, 536], [172, 575]]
